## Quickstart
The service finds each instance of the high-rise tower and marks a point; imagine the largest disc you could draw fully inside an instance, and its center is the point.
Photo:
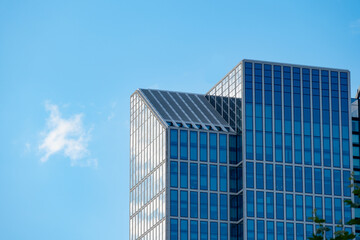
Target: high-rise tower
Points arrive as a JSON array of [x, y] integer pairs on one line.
[[250, 159]]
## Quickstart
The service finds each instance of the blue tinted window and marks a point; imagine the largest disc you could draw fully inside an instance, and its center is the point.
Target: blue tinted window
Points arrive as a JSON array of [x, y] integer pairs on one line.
[[203, 147], [309, 230], [173, 229], [319, 207], [279, 177], [347, 189], [173, 203], [299, 208], [173, 143], [203, 205], [250, 203], [223, 207], [259, 176], [308, 180], [251, 229], [289, 178], [289, 231], [213, 231], [173, 174], [318, 180], [183, 144], [289, 207], [223, 178], [203, 177], [193, 176], [328, 210], [279, 206], [213, 147], [203, 231], [338, 210], [223, 231], [183, 175], [308, 208], [213, 206], [183, 229], [193, 146], [233, 149], [269, 177], [298, 179], [260, 230], [280, 231], [183, 203], [327, 182], [193, 204], [299, 231], [270, 205], [347, 213], [213, 177], [260, 204], [249, 174], [259, 145], [222, 148], [193, 230], [270, 230]]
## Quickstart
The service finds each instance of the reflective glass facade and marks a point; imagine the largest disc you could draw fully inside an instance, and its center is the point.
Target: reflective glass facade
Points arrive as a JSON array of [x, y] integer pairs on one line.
[[147, 172], [204, 199], [297, 133], [251, 159]]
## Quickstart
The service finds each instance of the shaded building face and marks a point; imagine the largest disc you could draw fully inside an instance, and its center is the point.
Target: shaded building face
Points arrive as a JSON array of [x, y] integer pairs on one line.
[[250, 159]]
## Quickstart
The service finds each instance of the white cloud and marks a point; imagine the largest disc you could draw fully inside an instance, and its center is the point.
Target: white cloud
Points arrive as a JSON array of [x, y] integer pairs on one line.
[[66, 136], [112, 113]]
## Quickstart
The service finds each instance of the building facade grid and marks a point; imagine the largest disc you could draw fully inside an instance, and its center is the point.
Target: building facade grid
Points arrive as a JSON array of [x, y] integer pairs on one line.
[[271, 145]]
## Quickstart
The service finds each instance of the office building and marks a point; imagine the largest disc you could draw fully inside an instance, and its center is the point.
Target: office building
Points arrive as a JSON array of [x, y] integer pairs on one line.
[[250, 159]]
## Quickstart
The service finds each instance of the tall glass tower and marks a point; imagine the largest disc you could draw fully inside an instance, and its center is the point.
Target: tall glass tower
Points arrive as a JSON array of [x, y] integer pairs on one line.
[[250, 159]]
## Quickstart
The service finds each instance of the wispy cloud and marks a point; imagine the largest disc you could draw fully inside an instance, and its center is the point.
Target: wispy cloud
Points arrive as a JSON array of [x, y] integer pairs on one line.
[[112, 113], [355, 26], [66, 136]]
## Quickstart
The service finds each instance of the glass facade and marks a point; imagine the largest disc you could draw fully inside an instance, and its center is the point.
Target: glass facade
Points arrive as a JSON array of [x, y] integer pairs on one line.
[[147, 173], [251, 159], [307, 118], [202, 196]]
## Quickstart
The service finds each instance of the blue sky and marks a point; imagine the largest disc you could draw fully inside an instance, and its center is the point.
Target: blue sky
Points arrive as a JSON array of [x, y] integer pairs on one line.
[[68, 68]]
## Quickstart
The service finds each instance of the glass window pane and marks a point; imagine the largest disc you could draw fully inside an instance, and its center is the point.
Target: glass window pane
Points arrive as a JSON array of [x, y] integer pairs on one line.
[[193, 230], [173, 229], [173, 174], [203, 205], [203, 147], [213, 206], [193, 204], [183, 203], [174, 143], [223, 178], [213, 177], [213, 230], [193, 145], [184, 144], [174, 203], [193, 175], [223, 207], [213, 147], [203, 177], [222, 148], [183, 175], [203, 231], [183, 230]]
